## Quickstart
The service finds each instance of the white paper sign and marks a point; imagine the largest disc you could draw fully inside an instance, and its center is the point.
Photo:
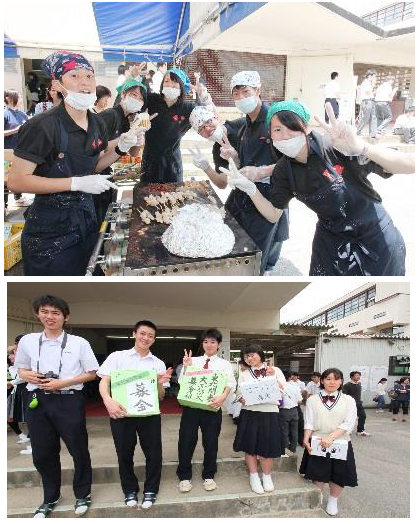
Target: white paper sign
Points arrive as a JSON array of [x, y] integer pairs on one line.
[[376, 373], [140, 398], [338, 449], [364, 379], [262, 391]]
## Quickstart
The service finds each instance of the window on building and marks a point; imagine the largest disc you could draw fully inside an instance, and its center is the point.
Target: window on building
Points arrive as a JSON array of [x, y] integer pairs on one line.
[[399, 366], [391, 14]]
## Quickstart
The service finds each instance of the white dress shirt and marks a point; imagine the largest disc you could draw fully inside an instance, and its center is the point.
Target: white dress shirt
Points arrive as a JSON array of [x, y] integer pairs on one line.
[[312, 388], [384, 93], [215, 364], [380, 389], [130, 360], [291, 395], [404, 122], [366, 90], [77, 357], [157, 81], [332, 89], [350, 417]]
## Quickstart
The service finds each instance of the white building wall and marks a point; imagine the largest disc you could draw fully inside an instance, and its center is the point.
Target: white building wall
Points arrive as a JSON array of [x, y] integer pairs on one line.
[[343, 353], [306, 77]]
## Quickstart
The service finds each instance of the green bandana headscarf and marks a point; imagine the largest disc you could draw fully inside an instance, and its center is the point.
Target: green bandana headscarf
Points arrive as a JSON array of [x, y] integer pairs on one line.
[[129, 84], [295, 107]]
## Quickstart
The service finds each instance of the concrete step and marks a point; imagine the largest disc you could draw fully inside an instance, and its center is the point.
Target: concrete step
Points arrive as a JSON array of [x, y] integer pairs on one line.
[[232, 498], [29, 477]]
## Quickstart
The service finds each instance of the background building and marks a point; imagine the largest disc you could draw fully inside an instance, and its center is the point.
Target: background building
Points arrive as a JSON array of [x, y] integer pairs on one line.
[[381, 308]]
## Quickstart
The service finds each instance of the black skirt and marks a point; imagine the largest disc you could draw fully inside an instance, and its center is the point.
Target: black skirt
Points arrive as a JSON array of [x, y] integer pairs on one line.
[[325, 469], [258, 433]]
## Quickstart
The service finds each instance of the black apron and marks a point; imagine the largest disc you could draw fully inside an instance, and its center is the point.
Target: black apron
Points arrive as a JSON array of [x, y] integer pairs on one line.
[[354, 235], [161, 167], [61, 228]]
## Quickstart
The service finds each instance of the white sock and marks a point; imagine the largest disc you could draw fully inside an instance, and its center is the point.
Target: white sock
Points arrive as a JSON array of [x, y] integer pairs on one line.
[[254, 476], [332, 503], [267, 477]]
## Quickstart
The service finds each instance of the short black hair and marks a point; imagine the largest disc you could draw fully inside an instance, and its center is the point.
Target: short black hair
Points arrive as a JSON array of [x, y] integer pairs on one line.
[[403, 378], [316, 374], [370, 72], [211, 333], [12, 95], [160, 64], [294, 374], [151, 73], [252, 348], [175, 78], [146, 323], [287, 374], [122, 69], [334, 75], [17, 339], [101, 91], [383, 380], [352, 373], [336, 372], [50, 300]]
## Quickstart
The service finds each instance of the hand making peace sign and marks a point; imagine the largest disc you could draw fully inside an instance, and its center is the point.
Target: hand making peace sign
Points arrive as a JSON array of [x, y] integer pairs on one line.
[[227, 150], [187, 360], [343, 136]]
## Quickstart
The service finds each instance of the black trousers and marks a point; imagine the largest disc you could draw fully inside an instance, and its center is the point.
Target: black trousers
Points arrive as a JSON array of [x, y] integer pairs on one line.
[[60, 416], [210, 423], [124, 433], [335, 106], [361, 414], [300, 426], [397, 404]]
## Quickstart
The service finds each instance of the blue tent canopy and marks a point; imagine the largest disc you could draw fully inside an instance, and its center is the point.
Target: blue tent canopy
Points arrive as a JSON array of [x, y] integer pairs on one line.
[[136, 31]]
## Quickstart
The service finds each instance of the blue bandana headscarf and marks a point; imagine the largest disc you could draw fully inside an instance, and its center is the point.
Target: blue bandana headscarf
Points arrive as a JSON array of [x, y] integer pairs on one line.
[[182, 75], [61, 62]]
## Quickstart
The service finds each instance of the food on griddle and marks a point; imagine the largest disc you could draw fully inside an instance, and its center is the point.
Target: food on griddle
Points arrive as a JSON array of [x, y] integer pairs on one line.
[[198, 231]]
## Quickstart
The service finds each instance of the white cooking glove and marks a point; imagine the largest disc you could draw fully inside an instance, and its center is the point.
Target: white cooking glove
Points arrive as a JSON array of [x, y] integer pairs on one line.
[[237, 180], [343, 136], [250, 172], [94, 184], [227, 150], [199, 159], [127, 141]]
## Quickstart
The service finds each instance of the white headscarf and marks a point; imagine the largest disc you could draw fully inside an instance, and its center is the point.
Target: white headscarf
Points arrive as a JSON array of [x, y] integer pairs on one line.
[[199, 115], [245, 78]]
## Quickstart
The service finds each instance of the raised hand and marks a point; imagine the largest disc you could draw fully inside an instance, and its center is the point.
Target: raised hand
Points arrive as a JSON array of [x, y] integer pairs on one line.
[[343, 136], [165, 377], [226, 149], [237, 180], [199, 160], [187, 360]]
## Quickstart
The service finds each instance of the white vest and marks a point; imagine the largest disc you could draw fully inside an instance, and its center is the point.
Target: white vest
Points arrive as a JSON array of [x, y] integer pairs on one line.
[[327, 420]]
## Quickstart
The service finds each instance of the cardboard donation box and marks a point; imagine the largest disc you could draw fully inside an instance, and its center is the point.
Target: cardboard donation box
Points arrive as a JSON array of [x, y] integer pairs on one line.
[[338, 449], [198, 386], [263, 391], [136, 391]]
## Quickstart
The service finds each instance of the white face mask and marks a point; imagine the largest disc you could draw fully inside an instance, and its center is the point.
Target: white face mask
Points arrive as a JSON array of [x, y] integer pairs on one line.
[[79, 101], [132, 105], [171, 92], [217, 134], [247, 105], [291, 147]]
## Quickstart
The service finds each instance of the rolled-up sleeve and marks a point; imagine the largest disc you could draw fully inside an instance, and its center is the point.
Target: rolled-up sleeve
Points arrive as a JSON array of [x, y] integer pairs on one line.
[[351, 416], [231, 381], [22, 358]]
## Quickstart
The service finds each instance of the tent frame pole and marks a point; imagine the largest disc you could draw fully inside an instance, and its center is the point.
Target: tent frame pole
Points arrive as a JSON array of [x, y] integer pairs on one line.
[[181, 19]]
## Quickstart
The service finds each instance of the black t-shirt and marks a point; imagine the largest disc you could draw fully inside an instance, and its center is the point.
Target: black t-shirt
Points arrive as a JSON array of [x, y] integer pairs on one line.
[[233, 128], [254, 146], [169, 126], [39, 137], [313, 175], [116, 122]]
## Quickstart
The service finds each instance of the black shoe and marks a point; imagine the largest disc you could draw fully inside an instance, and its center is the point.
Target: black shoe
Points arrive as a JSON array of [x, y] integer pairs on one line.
[[148, 500], [131, 499]]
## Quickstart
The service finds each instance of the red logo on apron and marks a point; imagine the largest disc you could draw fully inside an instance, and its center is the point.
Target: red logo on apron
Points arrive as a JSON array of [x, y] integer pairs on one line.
[[338, 168], [96, 143]]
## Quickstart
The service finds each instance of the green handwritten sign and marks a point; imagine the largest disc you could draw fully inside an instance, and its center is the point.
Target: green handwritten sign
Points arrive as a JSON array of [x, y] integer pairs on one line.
[[136, 391], [198, 386]]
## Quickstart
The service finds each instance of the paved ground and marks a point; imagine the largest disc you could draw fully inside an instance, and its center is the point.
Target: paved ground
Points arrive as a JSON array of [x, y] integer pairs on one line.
[[381, 459]]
